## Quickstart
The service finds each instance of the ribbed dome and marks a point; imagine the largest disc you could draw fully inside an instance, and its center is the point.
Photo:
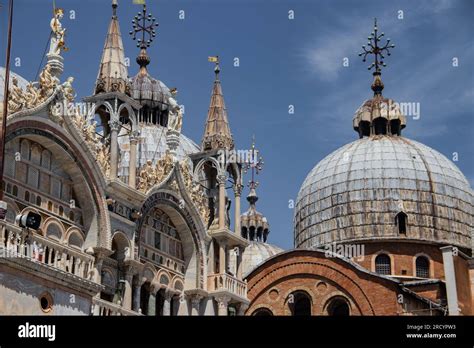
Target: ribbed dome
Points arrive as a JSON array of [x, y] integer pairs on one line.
[[151, 146], [256, 253], [356, 192], [150, 91]]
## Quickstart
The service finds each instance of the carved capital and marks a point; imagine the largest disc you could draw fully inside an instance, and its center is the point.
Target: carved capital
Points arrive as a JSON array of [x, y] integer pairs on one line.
[[114, 125], [222, 300], [134, 136], [238, 189], [221, 179]]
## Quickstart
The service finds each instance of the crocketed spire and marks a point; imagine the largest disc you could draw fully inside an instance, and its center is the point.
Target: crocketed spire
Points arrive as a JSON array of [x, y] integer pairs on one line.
[[217, 133], [113, 73]]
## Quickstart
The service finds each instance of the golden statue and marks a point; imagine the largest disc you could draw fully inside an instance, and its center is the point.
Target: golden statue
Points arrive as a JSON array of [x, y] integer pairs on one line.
[[57, 36]]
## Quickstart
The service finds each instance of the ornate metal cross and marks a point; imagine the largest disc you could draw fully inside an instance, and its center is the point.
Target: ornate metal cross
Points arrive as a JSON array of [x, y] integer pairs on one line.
[[255, 162], [144, 24], [376, 50]]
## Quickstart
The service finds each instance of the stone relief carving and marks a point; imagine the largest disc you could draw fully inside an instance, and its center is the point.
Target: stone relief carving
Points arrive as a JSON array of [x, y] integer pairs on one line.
[[36, 93], [99, 148], [175, 121], [152, 175], [196, 191]]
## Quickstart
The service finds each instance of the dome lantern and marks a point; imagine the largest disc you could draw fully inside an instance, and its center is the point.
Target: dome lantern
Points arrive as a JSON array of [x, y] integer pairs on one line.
[[379, 115]]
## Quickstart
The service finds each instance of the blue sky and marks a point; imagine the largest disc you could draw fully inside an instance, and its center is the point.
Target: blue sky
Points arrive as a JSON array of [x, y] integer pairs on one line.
[[282, 62]]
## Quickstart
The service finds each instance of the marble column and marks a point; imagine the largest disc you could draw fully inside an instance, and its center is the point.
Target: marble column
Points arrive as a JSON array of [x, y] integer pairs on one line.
[[195, 304], [237, 193], [238, 262], [114, 128], [242, 309], [127, 296], [154, 288], [222, 215], [132, 165], [222, 257], [167, 303], [222, 305], [450, 279], [136, 296]]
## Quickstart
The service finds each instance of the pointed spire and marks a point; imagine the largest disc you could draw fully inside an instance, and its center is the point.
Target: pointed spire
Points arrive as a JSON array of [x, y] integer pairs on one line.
[[217, 133], [113, 73]]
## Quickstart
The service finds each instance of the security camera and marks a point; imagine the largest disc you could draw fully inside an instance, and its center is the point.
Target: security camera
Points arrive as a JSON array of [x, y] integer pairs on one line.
[[29, 220]]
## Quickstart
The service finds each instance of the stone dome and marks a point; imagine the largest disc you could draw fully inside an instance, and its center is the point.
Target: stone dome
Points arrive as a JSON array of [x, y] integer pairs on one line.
[[152, 146], [257, 253], [149, 91], [356, 192]]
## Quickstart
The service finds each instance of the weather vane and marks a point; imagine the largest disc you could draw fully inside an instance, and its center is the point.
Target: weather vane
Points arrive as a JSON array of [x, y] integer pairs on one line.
[[215, 59], [145, 24], [376, 50], [255, 163]]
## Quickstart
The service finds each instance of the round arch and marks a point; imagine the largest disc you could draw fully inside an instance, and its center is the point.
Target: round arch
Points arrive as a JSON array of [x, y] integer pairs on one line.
[[82, 169], [190, 230]]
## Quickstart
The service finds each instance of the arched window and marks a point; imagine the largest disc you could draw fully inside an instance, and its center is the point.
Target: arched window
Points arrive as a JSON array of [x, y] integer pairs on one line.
[[261, 312], [382, 264], [338, 307], [15, 190], [161, 237], [75, 240], [299, 303], [27, 196], [422, 267], [54, 231], [401, 220], [38, 201]]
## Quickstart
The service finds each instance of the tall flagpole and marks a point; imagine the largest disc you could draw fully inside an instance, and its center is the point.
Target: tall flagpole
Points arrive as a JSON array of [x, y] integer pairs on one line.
[[3, 205]]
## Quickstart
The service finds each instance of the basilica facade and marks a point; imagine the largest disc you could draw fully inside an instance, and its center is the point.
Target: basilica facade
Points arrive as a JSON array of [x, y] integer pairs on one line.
[[135, 218]]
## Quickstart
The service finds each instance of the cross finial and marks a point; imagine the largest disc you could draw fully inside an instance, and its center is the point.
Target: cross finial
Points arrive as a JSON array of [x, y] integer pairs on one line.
[[379, 56], [255, 163], [145, 25]]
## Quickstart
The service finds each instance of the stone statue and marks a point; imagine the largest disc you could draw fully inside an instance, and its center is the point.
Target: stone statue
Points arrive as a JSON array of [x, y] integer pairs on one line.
[[47, 82], [90, 135], [16, 97], [175, 120], [68, 91], [32, 96], [102, 155], [57, 36], [147, 176]]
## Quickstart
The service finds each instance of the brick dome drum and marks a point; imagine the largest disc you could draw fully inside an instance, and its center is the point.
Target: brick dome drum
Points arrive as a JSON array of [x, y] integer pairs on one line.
[[355, 194]]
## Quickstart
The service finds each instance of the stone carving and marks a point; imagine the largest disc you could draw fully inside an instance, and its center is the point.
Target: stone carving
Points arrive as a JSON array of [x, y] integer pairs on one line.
[[103, 157], [68, 91], [152, 175], [100, 149], [57, 38], [47, 81], [196, 191], [16, 97], [175, 120], [33, 96]]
